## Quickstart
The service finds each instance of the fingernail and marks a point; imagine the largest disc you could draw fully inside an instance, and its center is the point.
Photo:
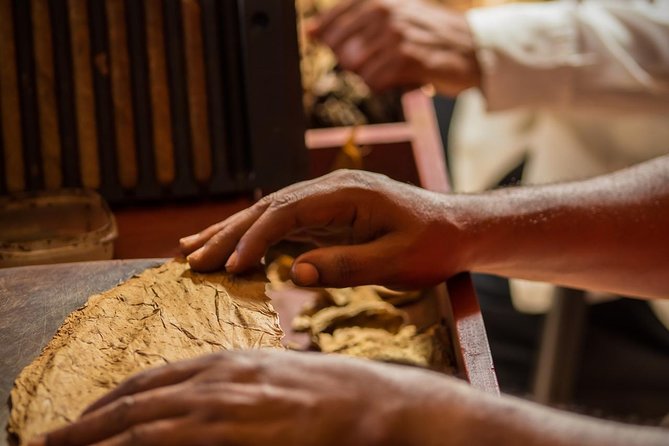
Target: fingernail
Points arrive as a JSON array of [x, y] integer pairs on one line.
[[231, 264], [38, 441], [305, 274], [188, 239]]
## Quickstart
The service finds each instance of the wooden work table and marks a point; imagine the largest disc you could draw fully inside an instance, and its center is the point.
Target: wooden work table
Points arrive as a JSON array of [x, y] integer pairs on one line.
[[35, 300]]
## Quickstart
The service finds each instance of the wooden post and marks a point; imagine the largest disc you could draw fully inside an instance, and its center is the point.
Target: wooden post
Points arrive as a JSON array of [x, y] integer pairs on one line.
[[10, 109], [163, 146], [126, 151], [84, 94], [46, 94]]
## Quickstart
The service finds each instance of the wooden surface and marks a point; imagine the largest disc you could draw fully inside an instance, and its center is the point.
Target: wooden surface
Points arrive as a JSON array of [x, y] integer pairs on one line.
[[197, 89], [84, 96], [10, 111], [468, 331], [121, 80], [159, 91], [34, 301], [426, 143], [46, 92]]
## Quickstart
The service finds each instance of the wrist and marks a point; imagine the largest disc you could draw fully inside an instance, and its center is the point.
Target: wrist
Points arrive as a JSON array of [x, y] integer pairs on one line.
[[439, 412], [466, 233]]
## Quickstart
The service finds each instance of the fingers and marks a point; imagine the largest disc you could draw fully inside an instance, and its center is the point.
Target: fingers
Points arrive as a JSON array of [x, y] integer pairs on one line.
[[359, 48], [384, 71], [366, 40], [375, 262], [122, 414], [211, 249], [327, 209], [215, 252], [193, 242], [326, 21], [367, 20], [160, 433], [358, 33], [336, 201], [151, 379]]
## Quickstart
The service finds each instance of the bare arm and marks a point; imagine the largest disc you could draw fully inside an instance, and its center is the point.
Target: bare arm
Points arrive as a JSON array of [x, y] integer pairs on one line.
[[482, 419], [608, 233], [287, 398]]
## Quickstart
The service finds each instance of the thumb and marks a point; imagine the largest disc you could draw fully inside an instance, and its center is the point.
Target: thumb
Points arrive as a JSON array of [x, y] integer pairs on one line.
[[343, 266]]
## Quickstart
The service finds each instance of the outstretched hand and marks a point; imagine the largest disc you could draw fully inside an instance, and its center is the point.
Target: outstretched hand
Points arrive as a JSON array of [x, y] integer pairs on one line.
[[399, 43], [369, 228]]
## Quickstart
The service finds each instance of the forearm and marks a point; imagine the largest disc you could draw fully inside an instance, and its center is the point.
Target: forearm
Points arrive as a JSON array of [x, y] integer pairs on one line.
[[463, 416], [610, 233]]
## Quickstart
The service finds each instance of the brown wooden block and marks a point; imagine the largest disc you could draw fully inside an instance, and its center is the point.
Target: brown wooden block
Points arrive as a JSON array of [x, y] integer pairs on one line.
[[46, 95], [126, 151], [10, 109], [84, 95], [160, 96], [197, 89]]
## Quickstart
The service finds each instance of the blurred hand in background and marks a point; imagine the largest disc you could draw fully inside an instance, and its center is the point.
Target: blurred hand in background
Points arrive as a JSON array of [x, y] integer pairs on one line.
[[400, 43]]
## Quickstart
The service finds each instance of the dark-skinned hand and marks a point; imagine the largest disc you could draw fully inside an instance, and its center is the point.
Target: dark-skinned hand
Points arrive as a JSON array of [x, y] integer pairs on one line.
[[256, 398], [371, 229], [400, 43]]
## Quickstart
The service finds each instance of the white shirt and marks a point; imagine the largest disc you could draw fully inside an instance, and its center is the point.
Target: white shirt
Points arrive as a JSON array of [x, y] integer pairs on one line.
[[601, 54]]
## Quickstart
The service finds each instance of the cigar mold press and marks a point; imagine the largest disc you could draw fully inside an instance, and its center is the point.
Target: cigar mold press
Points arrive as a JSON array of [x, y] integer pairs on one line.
[[150, 100]]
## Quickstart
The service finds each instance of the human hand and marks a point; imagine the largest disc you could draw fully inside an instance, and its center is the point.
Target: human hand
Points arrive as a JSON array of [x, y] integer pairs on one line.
[[258, 397], [399, 43], [287, 398], [372, 230]]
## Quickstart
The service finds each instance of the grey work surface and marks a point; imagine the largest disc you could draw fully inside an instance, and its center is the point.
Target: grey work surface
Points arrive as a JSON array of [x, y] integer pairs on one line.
[[34, 302]]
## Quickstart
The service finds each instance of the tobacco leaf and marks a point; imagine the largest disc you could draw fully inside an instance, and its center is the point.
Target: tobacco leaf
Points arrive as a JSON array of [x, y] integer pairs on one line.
[[163, 315]]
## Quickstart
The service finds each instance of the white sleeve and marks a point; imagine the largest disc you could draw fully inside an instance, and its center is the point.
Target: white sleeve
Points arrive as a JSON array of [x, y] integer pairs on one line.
[[612, 54]]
